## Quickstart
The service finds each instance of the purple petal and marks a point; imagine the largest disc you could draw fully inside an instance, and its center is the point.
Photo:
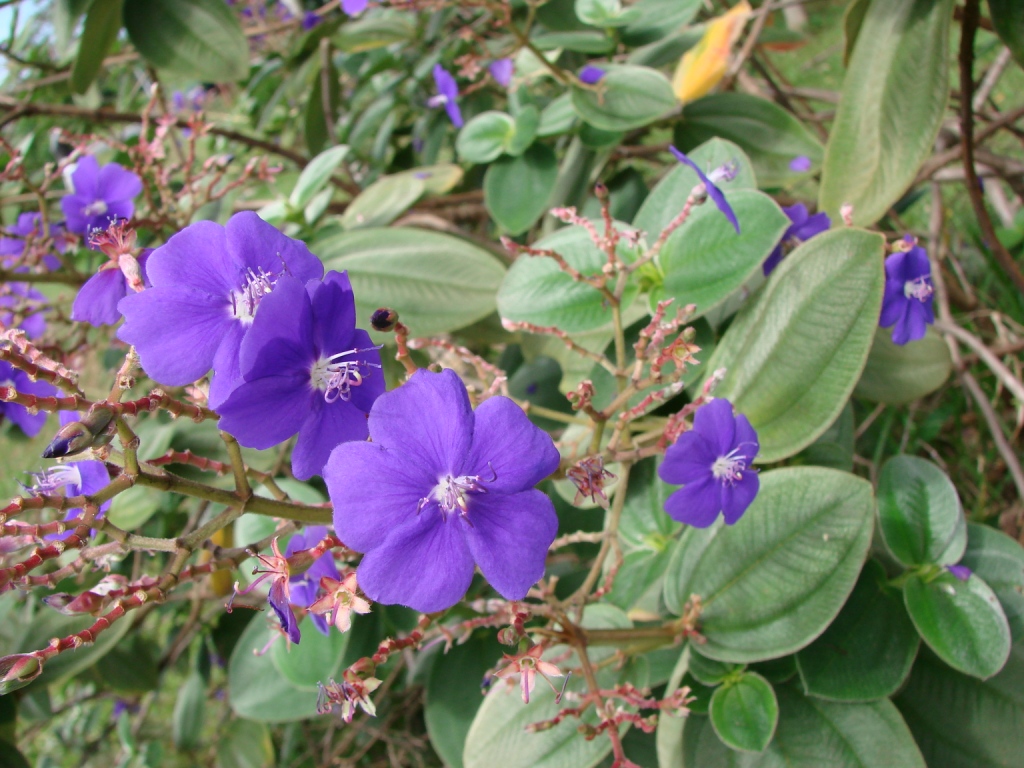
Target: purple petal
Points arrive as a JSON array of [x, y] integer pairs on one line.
[[811, 226], [366, 394], [713, 192], [354, 7], [507, 445], [96, 302], [797, 214], [262, 413], [227, 369], [197, 257], [509, 536], [304, 539], [279, 603], [85, 178], [256, 245], [426, 566], [73, 207], [327, 426], [773, 260], [591, 74], [334, 308], [454, 113], [30, 424], [310, 20], [446, 85], [696, 504], [800, 164], [736, 497], [280, 340], [688, 460], [961, 572], [117, 184], [501, 70], [716, 424]]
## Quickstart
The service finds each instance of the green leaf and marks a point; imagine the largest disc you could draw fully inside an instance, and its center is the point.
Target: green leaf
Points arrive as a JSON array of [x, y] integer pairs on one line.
[[658, 19], [705, 260], [744, 712], [605, 13], [627, 97], [64, 15], [890, 109], [196, 38], [813, 734], [896, 374], [131, 667], [517, 189], [383, 201], [132, 508], [580, 41], [772, 583], [1008, 22], [668, 197], [454, 694], [557, 117], [11, 757], [919, 512], [771, 136], [375, 31], [102, 23], [527, 123], [835, 446], [48, 624], [436, 282], [963, 722], [245, 744], [961, 621], [999, 561], [303, 665], [708, 671], [867, 652], [536, 291], [853, 17], [794, 355], [315, 120], [315, 175], [485, 137], [189, 711]]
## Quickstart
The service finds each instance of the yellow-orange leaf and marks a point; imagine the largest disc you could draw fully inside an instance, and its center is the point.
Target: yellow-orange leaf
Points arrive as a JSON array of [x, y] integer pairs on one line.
[[704, 65]]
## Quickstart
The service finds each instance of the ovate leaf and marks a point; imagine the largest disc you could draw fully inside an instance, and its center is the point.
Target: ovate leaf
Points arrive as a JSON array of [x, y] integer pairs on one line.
[[517, 189], [102, 23], [315, 175], [627, 97], [896, 374], [1008, 22], [485, 137], [744, 712], [999, 560]]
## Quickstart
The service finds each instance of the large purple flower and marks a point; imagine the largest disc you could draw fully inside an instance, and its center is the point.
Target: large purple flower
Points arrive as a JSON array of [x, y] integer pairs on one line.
[[97, 300], [306, 369], [447, 95], [712, 459], [304, 586], [726, 173], [208, 281], [30, 226], [100, 197], [803, 227], [907, 302], [30, 423], [441, 488]]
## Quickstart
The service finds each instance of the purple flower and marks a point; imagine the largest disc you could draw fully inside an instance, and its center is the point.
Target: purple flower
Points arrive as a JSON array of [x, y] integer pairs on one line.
[[712, 461], [726, 172], [30, 423], [30, 225], [306, 369], [591, 75], [501, 70], [447, 95], [800, 164], [97, 300], [961, 572], [803, 227], [193, 101], [907, 301], [100, 196], [441, 488], [304, 586], [18, 298], [354, 7], [310, 20], [208, 281]]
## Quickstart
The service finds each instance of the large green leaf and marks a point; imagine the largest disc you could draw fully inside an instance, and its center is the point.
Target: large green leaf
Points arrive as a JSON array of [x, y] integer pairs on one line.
[[919, 512], [383, 201], [962, 722], [315, 176], [899, 373], [891, 107], [199, 38], [961, 621], [772, 583], [245, 744], [436, 282], [189, 710], [658, 19], [1008, 22], [303, 665], [517, 189], [627, 97], [794, 355], [867, 652], [999, 560], [485, 137], [705, 260], [771, 136], [744, 712], [102, 23]]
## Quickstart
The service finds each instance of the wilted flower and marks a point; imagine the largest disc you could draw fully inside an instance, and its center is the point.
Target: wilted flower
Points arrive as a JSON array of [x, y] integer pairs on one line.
[[351, 693], [29, 423], [726, 172], [907, 302], [703, 66], [340, 602], [803, 227], [447, 95], [100, 197], [528, 665], [713, 461], [275, 567], [306, 368], [208, 282], [591, 74], [501, 70], [589, 476], [304, 585], [450, 488]]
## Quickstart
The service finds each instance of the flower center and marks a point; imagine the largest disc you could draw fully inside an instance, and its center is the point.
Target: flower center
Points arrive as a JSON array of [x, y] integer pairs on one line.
[[729, 468], [246, 299], [919, 288], [335, 377], [437, 100], [96, 208], [51, 480], [450, 493]]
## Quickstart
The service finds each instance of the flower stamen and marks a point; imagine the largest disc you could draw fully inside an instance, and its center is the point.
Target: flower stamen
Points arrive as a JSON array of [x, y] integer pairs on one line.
[[246, 299], [336, 377], [919, 288]]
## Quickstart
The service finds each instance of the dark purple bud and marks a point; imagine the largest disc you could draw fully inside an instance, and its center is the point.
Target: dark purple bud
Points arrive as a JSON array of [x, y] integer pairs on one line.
[[17, 671], [71, 439], [962, 572], [384, 319], [591, 75]]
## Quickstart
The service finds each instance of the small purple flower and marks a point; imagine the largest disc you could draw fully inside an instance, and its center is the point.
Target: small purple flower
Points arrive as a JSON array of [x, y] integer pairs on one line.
[[501, 70], [208, 282], [442, 488], [354, 7], [803, 227], [961, 572], [304, 585], [19, 298], [726, 172], [712, 460], [100, 196], [907, 302], [800, 164], [30, 225], [97, 300], [75, 478], [29, 423], [310, 20], [193, 101], [447, 95], [591, 74], [306, 368]]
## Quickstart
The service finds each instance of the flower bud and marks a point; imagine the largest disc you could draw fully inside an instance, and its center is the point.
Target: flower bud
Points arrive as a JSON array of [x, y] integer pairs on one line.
[[384, 319], [17, 671], [79, 435]]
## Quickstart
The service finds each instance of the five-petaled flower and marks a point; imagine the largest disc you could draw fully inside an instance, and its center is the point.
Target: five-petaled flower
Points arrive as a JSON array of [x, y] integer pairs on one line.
[[528, 665], [907, 302], [339, 602], [713, 461], [100, 196], [208, 282], [447, 95], [306, 368], [450, 488], [725, 173], [803, 227], [303, 586]]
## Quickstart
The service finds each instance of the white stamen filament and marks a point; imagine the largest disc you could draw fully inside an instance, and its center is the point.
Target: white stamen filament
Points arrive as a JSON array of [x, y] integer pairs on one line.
[[96, 208], [919, 288], [729, 468], [450, 493], [246, 299], [336, 377], [51, 480]]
